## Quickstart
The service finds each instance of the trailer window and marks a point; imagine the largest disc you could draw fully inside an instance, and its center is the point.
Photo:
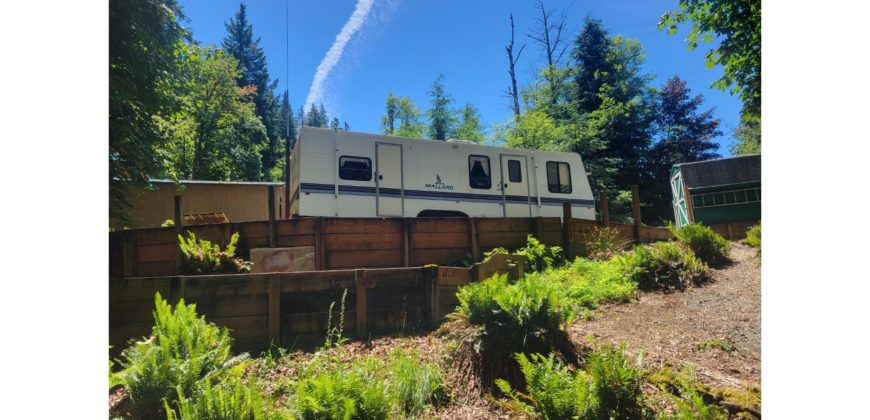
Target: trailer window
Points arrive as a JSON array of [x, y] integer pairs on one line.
[[478, 172], [515, 172], [558, 177], [354, 168]]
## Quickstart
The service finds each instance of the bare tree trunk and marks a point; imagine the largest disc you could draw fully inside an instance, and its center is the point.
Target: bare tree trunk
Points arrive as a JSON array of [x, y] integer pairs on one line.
[[512, 90], [550, 37]]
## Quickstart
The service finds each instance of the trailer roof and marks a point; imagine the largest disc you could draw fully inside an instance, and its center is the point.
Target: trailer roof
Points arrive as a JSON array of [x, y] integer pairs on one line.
[[726, 171]]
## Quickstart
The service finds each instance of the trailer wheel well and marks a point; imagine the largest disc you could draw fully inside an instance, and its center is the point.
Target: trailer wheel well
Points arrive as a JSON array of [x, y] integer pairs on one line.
[[441, 213]]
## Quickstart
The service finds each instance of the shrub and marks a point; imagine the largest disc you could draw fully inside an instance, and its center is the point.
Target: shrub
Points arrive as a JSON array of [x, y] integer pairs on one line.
[[609, 388], [183, 350], [541, 257], [603, 243], [230, 400], [661, 266], [753, 236], [203, 257], [590, 283], [707, 245]]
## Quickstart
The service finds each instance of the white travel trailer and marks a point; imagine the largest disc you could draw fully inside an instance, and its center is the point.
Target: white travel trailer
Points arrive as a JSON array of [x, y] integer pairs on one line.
[[347, 174]]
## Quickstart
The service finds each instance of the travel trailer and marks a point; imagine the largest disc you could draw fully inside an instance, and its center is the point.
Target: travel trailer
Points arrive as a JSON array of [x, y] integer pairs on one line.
[[347, 174]]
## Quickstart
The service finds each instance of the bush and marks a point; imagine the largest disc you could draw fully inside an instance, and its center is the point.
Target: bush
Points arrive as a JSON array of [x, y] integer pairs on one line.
[[753, 236], [661, 266], [707, 245], [230, 400], [609, 388], [590, 283], [369, 388], [183, 351], [541, 257], [603, 243], [203, 257]]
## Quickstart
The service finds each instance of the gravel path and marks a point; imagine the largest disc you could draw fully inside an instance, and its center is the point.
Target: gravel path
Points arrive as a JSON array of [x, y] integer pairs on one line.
[[668, 327]]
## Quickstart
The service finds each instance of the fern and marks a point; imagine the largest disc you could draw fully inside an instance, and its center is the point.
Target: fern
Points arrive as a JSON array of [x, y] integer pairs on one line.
[[229, 400], [203, 257], [541, 257], [708, 246]]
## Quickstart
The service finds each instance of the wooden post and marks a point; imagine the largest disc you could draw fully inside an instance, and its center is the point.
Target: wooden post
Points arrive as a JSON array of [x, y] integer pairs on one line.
[[319, 249], [129, 247], [475, 239], [273, 227], [406, 241], [536, 228], [730, 233], [179, 228], [567, 230], [635, 211], [275, 309], [604, 208], [177, 286], [430, 282], [361, 309]]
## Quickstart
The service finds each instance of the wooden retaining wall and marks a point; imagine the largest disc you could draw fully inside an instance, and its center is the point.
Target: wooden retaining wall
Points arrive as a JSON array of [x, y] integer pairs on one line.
[[293, 308]]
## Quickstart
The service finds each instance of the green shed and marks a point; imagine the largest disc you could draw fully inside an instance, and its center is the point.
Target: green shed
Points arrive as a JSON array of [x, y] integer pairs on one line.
[[717, 191]]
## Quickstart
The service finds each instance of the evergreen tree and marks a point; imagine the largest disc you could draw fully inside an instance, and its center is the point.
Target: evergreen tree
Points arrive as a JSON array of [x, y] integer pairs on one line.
[[287, 120], [591, 65], [409, 115], [241, 44], [324, 119], [346, 127], [469, 127], [684, 134], [334, 124], [441, 119], [301, 117], [143, 39], [388, 121]]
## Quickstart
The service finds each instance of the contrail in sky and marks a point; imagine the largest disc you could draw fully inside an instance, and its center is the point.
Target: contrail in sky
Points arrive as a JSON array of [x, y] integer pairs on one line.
[[353, 24]]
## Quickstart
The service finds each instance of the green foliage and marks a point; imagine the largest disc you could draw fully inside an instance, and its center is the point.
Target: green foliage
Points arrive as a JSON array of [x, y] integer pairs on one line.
[[747, 137], [723, 344], [527, 316], [541, 257], [184, 350], [603, 243], [368, 388], [469, 127], [661, 266], [753, 236], [709, 246], [609, 388], [143, 38], [688, 396], [230, 399], [589, 283], [736, 27], [335, 333], [441, 117], [168, 223], [402, 118], [203, 257]]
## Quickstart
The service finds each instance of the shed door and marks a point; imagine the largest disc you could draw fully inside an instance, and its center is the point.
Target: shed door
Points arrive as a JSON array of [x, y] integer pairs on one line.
[[681, 214], [388, 179], [515, 186]]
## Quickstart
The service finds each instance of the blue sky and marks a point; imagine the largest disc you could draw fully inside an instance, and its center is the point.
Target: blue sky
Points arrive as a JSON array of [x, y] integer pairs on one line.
[[404, 44]]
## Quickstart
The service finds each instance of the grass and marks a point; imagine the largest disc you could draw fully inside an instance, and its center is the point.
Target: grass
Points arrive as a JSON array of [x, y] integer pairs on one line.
[[723, 344], [753, 237]]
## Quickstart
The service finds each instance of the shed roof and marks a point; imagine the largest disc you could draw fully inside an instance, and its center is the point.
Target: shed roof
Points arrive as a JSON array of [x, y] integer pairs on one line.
[[205, 182], [727, 171]]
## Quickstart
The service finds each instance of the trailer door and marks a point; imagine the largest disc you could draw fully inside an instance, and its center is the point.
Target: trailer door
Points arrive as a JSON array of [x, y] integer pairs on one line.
[[515, 186], [388, 180]]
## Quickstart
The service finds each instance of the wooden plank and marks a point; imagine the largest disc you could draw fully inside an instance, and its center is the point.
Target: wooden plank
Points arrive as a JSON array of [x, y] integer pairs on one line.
[[394, 277], [318, 301], [490, 240], [274, 304], [319, 248], [227, 285], [438, 256], [432, 278], [441, 240], [635, 211], [253, 229], [139, 310], [153, 236], [296, 226], [156, 269], [359, 259], [447, 295], [244, 326], [230, 306], [364, 241], [474, 238], [567, 231], [604, 208], [120, 334], [453, 276], [361, 306], [316, 322], [506, 224], [296, 240], [443, 225], [363, 225], [179, 230], [129, 256], [252, 345], [407, 249], [315, 281], [156, 253], [273, 227]]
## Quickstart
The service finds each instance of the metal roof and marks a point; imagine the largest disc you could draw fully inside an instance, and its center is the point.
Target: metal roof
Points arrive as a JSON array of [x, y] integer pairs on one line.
[[726, 171], [204, 182]]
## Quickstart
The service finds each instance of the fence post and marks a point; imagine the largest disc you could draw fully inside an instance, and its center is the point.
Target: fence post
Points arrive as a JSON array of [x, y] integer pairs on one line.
[[361, 309], [179, 227], [319, 249], [536, 228], [604, 208], [567, 230], [275, 309], [635, 211], [475, 242], [177, 286], [129, 247], [406, 241], [431, 279], [273, 227]]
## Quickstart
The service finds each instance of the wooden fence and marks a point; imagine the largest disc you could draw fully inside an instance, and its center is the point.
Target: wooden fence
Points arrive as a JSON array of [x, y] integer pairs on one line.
[[293, 308]]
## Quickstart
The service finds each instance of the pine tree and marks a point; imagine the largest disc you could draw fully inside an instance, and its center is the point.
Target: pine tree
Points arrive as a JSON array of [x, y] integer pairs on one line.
[[591, 66], [241, 44], [334, 124], [469, 127], [388, 121], [441, 119], [324, 119], [287, 121]]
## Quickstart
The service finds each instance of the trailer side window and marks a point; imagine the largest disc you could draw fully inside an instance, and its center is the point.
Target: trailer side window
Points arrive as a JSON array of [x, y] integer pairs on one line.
[[515, 172], [478, 172], [354, 168], [558, 177]]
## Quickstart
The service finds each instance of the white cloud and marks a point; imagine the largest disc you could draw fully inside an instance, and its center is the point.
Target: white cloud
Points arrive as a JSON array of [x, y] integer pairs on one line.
[[357, 19]]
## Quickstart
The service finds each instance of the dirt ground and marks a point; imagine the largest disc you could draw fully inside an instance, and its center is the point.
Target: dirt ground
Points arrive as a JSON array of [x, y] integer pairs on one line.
[[667, 327]]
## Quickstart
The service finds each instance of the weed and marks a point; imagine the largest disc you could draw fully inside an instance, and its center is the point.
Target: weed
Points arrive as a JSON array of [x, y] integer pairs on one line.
[[541, 257], [707, 245], [723, 344], [334, 334], [661, 266], [603, 243], [414, 385], [753, 236], [691, 399], [203, 257]]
